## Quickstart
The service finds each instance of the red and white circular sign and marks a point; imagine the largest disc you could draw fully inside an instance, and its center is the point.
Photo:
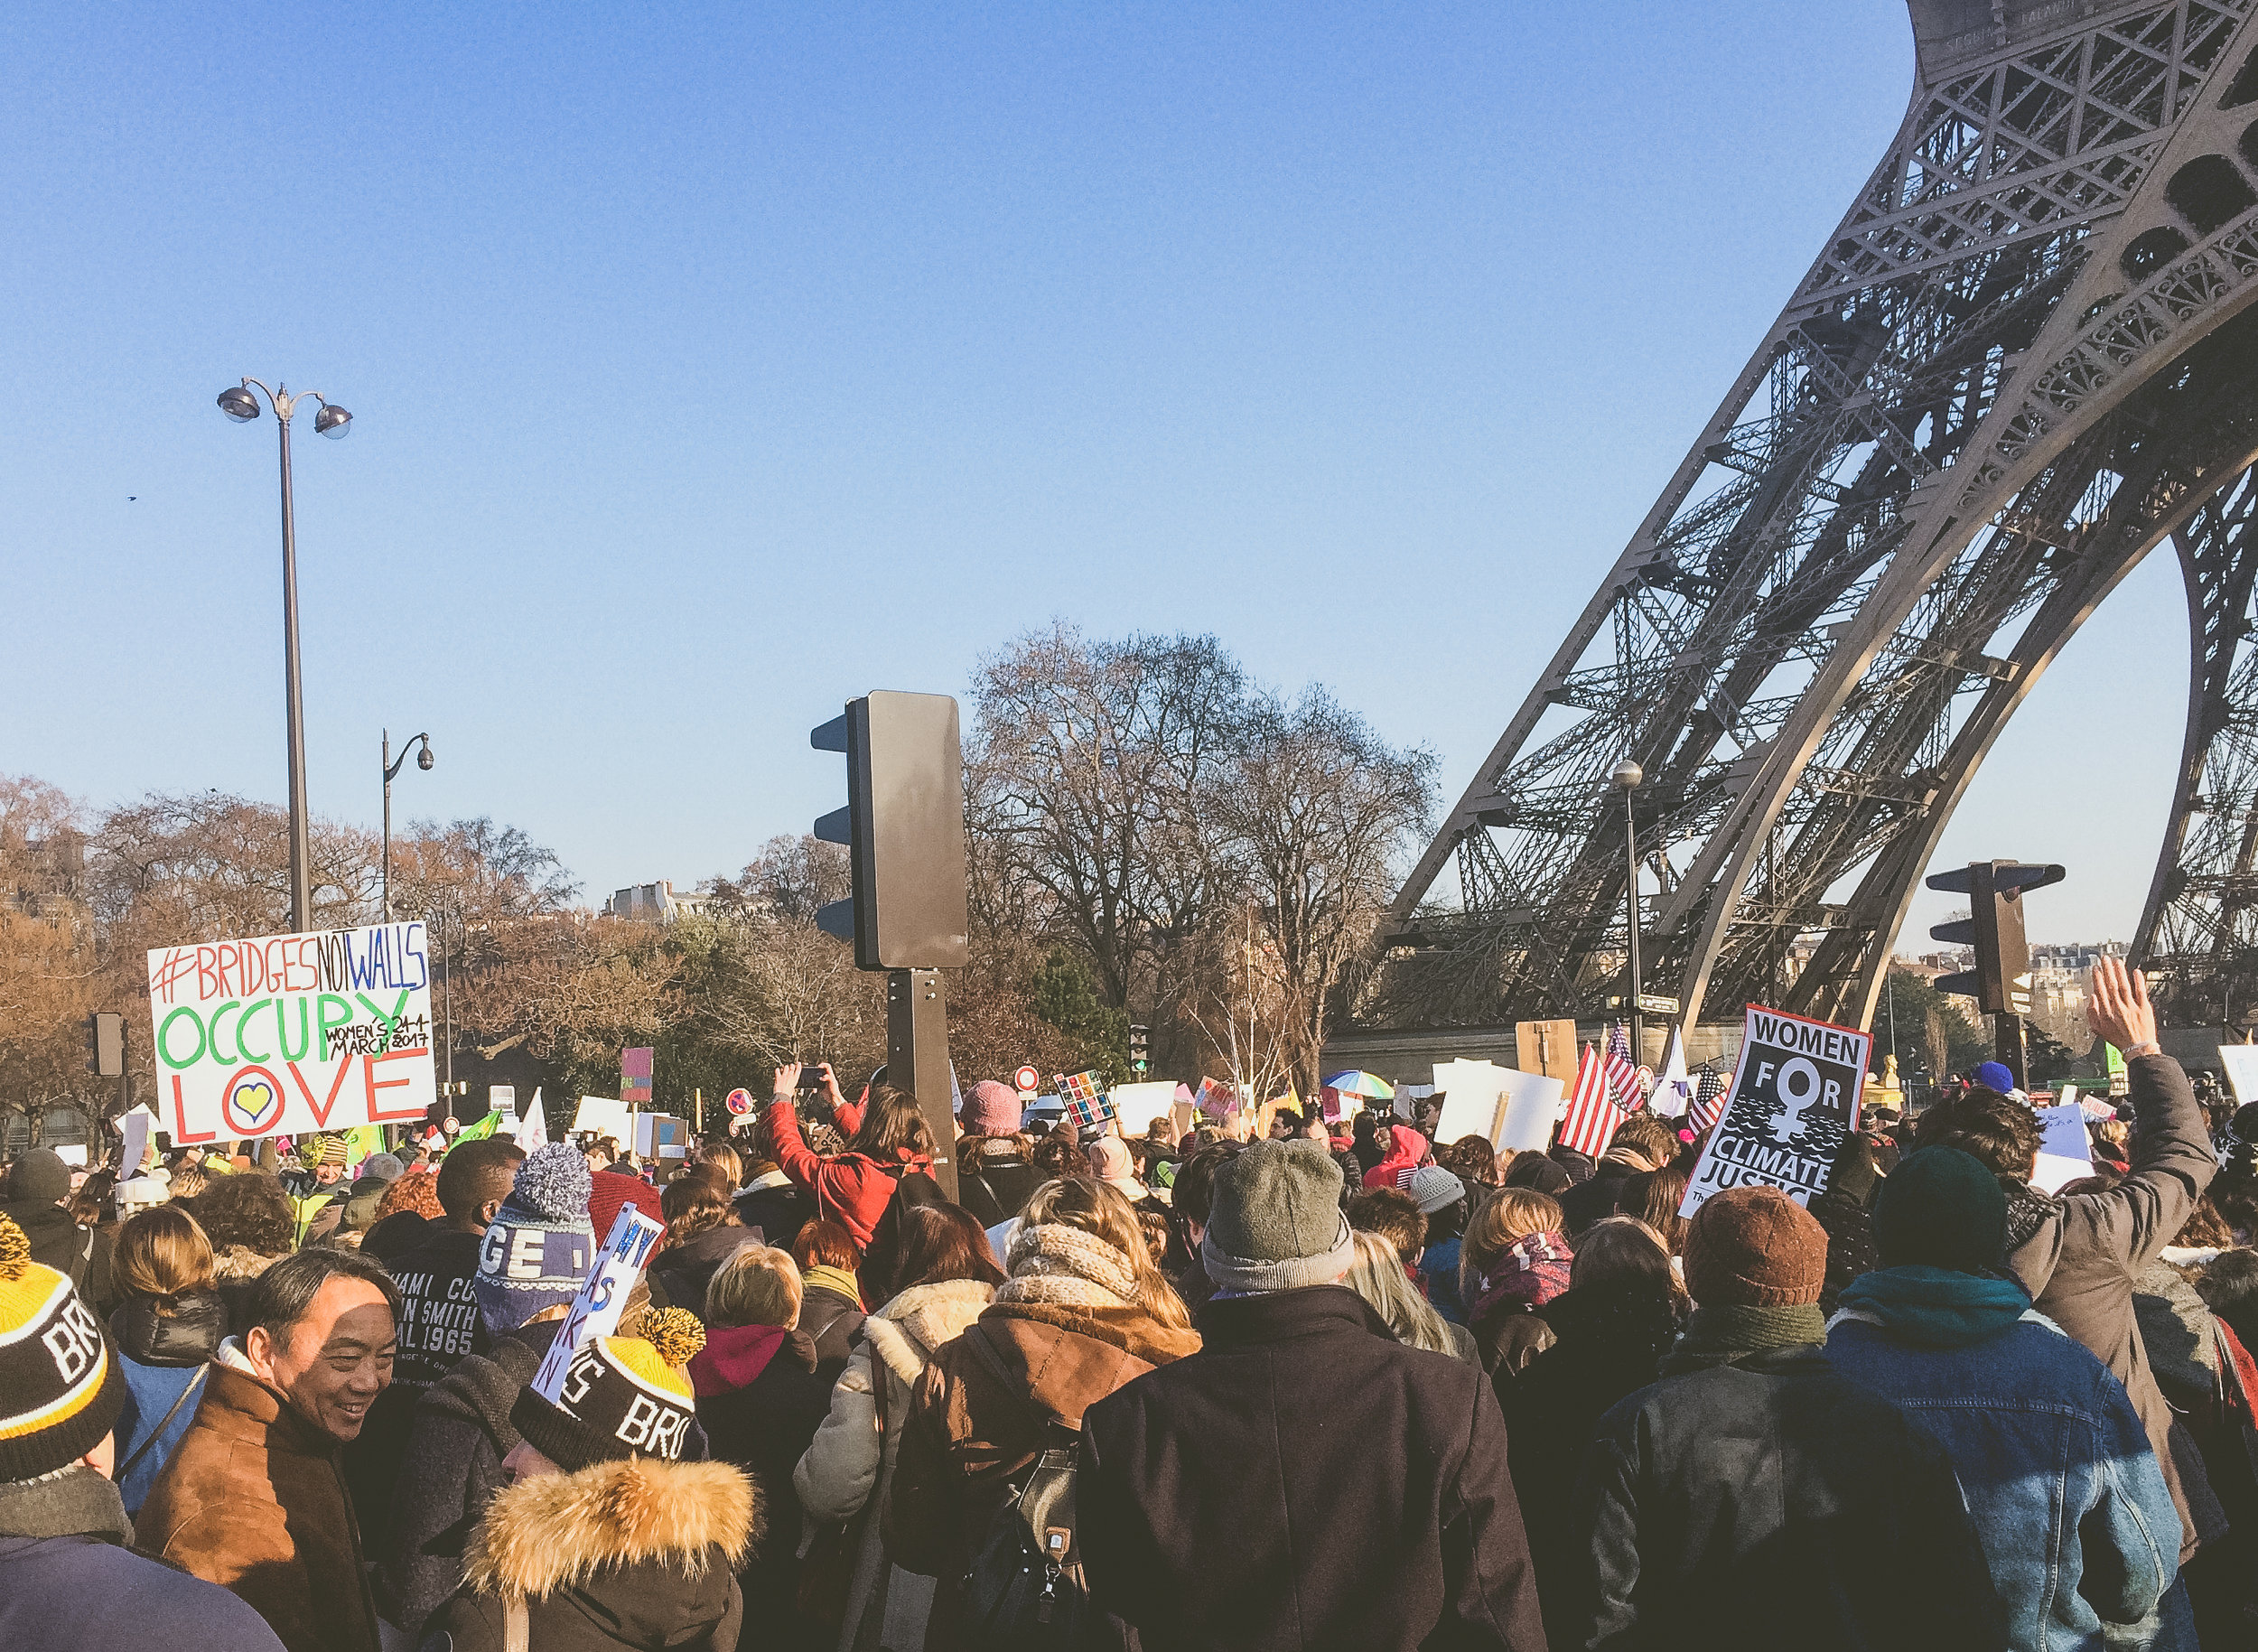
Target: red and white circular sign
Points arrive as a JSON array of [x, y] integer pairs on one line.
[[1028, 1080]]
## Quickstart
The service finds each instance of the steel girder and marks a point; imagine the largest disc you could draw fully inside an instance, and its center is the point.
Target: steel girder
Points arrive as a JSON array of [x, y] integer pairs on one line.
[[2015, 367]]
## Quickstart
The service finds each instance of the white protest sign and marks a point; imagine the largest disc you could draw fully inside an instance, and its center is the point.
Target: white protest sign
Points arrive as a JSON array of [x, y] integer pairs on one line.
[[605, 1115], [1137, 1106], [1792, 1103], [134, 1128], [595, 1312], [2065, 1152], [2241, 1062], [1469, 1091], [1534, 1103], [289, 1034]]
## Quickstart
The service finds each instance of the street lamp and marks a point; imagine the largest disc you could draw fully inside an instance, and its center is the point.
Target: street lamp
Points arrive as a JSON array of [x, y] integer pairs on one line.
[[1628, 775], [391, 765], [239, 405]]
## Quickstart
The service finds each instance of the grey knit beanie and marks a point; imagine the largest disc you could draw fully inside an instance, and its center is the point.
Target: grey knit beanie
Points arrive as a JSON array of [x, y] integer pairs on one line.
[[1276, 1224]]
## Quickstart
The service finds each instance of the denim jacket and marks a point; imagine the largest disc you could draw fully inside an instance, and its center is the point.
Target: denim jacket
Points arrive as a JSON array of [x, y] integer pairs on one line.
[[2055, 1465]]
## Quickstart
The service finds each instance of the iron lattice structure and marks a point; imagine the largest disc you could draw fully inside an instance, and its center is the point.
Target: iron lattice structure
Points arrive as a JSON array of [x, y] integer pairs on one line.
[[2026, 358]]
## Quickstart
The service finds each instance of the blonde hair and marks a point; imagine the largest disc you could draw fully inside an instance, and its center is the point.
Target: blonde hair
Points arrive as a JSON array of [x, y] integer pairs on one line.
[[1086, 1203], [757, 1285], [161, 1253], [1507, 1215], [723, 1158], [1377, 1276]]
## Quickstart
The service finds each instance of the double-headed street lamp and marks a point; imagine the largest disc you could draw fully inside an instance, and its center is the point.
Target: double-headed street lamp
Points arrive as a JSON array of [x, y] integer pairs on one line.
[[423, 760], [239, 405], [1628, 775]]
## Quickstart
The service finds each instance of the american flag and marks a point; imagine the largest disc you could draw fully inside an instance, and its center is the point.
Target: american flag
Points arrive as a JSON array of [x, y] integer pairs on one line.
[[1086, 1104], [1622, 1072], [1708, 1100], [1592, 1114]]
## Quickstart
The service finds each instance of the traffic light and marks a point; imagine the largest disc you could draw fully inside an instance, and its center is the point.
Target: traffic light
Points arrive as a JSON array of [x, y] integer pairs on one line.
[[2001, 981], [1139, 1039], [105, 1044], [904, 829]]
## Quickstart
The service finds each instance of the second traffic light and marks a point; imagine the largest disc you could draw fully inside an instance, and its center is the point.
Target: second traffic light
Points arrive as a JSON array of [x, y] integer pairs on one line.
[[1140, 1044], [904, 830], [2001, 981]]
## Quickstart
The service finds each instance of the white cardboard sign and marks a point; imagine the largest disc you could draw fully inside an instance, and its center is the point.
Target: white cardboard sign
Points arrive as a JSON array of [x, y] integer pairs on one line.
[[2065, 1152], [1137, 1106], [2241, 1062], [605, 1115], [595, 1312]]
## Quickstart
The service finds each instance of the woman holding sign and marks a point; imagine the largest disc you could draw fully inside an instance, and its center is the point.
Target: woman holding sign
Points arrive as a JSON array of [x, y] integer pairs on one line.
[[888, 1138]]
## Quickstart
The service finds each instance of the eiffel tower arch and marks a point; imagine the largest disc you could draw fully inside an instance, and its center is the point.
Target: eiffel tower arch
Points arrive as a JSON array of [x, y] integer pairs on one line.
[[2027, 357]]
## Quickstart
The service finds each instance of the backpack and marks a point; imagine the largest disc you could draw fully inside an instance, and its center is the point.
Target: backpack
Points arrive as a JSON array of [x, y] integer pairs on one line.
[[1025, 1590]]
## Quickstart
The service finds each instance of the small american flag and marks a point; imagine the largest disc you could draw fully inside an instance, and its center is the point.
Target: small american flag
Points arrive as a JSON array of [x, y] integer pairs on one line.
[[1592, 1115], [1622, 1072], [1086, 1104], [1708, 1100]]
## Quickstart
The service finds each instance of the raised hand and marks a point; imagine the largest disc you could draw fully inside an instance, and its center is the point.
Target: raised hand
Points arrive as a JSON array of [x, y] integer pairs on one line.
[[2118, 1008]]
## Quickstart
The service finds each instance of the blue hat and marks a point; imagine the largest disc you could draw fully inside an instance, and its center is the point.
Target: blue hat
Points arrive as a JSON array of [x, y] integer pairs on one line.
[[539, 1247], [1994, 1076]]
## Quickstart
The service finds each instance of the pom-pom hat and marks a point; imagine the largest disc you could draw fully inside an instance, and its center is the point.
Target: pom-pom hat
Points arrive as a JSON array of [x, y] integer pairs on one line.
[[619, 1396], [537, 1250], [61, 1387]]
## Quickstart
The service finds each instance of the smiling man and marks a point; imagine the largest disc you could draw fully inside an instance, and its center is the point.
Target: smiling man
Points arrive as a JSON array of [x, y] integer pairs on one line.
[[255, 1500]]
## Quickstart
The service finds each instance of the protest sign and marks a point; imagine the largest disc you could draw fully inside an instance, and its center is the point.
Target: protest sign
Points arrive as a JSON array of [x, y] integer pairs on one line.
[[290, 1034], [1533, 1104], [595, 1312], [1794, 1103], [134, 1128], [604, 1116], [635, 1067], [2241, 1062], [1137, 1106], [1470, 1092], [2065, 1151]]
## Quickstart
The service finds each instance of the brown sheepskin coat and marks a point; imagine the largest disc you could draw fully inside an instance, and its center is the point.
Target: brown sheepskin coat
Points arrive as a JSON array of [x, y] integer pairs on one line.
[[640, 1553]]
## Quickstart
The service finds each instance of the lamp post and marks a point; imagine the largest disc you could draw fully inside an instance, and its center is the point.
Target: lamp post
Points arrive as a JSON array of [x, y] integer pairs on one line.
[[1627, 775], [391, 765], [239, 405]]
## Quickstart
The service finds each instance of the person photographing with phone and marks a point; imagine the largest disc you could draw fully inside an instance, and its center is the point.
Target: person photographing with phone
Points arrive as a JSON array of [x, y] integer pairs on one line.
[[887, 1139]]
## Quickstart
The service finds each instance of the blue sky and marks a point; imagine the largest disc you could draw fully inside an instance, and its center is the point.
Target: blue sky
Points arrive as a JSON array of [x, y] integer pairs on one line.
[[712, 366]]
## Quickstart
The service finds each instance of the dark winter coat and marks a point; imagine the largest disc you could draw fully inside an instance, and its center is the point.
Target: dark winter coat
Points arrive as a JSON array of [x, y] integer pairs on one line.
[[439, 1318], [971, 1430], [832, 1322], [995, 1187], [1851, 1248], [764, 1420], [255, 1502], [1587, 1202], [1508, 1337], [680, 1274], [852, 1189], [779, 1211], [1222, 1502], [450, 1470], [1773, 1503], [1610, 1343], [57, 1242], [641, 1553], [163, 1355], [2079, 1256], [70, 1584]]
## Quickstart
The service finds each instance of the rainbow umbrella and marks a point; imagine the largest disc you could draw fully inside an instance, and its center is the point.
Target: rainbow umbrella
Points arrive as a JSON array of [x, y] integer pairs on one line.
[[1354, 1083]]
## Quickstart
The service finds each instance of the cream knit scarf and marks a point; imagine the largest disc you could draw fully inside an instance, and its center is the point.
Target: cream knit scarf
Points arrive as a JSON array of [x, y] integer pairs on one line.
[[1058, 1263]]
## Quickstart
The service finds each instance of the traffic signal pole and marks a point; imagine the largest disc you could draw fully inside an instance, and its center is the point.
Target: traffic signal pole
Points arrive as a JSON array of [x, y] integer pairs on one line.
[[2001, 981], [917, 1059]]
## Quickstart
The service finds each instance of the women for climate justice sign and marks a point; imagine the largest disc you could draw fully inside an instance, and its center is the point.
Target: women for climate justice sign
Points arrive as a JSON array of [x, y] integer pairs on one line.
[[1794, 1103], [292, 1033]]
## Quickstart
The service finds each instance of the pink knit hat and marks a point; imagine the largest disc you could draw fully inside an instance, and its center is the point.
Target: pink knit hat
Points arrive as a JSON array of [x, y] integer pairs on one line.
[[1110, 1160], [991, 1110]]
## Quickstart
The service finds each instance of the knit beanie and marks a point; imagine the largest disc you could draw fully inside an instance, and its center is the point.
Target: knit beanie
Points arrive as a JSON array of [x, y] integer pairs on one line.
[[1110, 1160], [40, 1178], [992, 1109], [383, 1166], [1994, 1076], [539, 1247], [619, 1396], [1943, 1208], [1276, 1223], [1434, 1188], [60, 1382], [327, 1148], [1754, 1248]]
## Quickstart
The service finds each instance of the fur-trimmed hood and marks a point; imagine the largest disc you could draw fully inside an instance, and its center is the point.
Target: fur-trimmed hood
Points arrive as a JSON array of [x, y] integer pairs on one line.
[[241, 1262], [905, 1330], [559, 1531]]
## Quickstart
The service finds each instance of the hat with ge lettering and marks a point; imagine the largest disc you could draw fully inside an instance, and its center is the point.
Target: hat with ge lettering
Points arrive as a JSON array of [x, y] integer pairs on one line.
[[539, 1247], [61, 1384], [619, 1396]]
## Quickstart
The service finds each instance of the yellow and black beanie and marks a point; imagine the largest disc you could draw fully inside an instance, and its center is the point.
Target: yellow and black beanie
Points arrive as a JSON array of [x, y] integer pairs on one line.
[[619, 1396], [60, 1386]]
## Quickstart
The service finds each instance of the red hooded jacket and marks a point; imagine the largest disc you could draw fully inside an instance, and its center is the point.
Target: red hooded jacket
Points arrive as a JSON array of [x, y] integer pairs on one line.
[[1407, 1150], [852, 1189]]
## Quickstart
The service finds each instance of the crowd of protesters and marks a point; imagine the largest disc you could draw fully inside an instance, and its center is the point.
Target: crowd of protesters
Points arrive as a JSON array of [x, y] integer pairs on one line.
[[1187, 1389]]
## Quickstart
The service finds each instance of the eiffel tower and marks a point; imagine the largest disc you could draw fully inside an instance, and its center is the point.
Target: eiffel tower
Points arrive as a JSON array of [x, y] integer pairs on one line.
[[2027, 357]]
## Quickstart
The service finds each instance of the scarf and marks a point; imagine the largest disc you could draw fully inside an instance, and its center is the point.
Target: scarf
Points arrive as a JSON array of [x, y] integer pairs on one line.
[[2028, 1209], [1054, 1262], [733, 1355], [1934, 1307], [71, 1502], [1532, 1271], [1727, 1334], [837, 1281]]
